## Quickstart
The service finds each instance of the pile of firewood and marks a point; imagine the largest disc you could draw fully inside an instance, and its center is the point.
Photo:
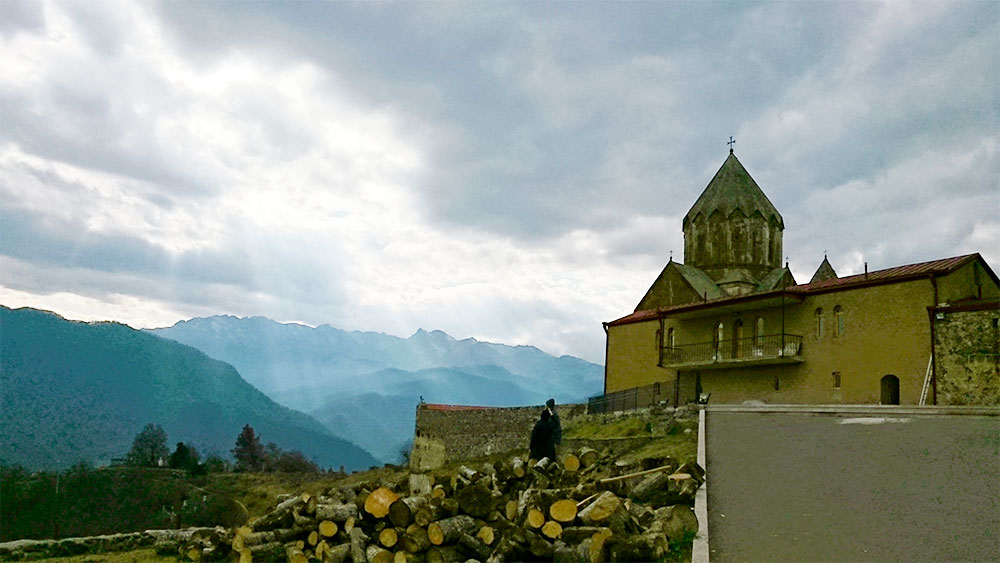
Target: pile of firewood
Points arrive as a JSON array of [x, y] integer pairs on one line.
[[586, 508]]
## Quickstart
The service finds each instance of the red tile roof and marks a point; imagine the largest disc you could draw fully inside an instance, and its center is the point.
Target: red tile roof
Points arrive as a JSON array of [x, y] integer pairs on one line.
[[897, 274], [440, 407], [877, 277]]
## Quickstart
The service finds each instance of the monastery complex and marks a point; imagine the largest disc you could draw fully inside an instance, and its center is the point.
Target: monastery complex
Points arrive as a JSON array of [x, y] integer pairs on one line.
[[731, 324]]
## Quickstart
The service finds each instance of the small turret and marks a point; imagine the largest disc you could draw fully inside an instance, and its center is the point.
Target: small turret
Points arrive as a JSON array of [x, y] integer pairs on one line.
[[824, 272]]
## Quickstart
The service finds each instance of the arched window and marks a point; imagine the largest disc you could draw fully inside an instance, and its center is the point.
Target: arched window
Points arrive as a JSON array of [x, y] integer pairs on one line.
[[759, 331], [819, 323], [720, 335], [838, 319]]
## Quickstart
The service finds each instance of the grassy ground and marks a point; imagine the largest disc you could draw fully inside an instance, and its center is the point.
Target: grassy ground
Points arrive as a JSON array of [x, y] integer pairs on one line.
[[258, 492], [137, 556]]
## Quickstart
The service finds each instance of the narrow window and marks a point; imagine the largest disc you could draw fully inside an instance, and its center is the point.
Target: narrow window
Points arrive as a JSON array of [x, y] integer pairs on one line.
[[836, 380], [670, 338], [777, 385], [759, 334], [737, 337], [838, 315], [719, 337], [819, 323]]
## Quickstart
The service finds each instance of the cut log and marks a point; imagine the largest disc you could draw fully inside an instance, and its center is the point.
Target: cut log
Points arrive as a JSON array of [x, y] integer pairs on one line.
[[576, 534], [609, 511], [692, 468], [340, 553], [539, 546], [517, 467], [552, 529], [378, 501], [677, 522], [415, 540], [486, 535], [536, 498], [644, 547], [450, 506], [294, 554], [542, 464], [563, 510], [429, 512], [313, 538], [349, 525], [338, 513], [472, 546], [571, 463], [407, 557], [327, 528], [587, 456], [420, 484], [268, 551], [535, 518], [449, 529], [280, 517], [635, 474], [510, 510], [471, 474], [438, 491], [375, 554], [475, 500], [649, 486], [442, 554], [597, 543], [571, 553], [507, 549], [310, 504], [388, 537], [402, 510], [359, 542]]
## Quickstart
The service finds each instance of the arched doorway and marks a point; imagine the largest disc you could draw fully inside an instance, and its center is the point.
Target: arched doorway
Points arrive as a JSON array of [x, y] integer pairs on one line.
[[890, 390]]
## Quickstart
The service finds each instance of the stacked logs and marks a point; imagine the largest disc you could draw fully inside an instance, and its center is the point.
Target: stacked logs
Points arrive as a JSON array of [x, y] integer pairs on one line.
[[515, 510]]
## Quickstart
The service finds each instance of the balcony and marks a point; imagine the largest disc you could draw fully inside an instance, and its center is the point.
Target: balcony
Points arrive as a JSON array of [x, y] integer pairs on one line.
[[734, 353]]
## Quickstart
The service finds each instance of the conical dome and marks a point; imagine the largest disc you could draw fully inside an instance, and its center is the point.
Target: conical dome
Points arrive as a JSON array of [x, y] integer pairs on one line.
[[732, 188], [733, 232]]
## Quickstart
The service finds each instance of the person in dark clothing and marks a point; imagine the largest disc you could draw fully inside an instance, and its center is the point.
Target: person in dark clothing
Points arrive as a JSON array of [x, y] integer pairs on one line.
[[550, 406], [542, 444]]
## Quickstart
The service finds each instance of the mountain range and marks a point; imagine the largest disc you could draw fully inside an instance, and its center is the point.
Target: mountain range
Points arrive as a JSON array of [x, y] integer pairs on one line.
[[365, 386], [72, 391]]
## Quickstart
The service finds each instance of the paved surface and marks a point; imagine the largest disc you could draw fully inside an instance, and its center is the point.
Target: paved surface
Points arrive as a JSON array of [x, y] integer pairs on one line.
[[859, 487]]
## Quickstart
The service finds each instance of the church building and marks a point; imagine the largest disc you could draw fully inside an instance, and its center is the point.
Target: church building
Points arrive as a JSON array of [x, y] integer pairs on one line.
[[732, 325]]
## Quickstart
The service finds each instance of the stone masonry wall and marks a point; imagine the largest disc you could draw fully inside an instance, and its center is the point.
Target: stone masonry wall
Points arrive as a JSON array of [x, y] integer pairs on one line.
[[967, 353], [445, 433], [448, 433]]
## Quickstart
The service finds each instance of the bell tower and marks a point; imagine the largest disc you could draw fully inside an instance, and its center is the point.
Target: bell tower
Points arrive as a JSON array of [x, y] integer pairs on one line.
[[732, 232]]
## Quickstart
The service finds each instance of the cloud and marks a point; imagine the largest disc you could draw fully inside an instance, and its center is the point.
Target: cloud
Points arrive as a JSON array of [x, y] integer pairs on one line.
[[513, 172]]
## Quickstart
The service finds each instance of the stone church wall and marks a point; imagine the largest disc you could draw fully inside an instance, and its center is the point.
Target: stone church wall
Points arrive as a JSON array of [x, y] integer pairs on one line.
[[967, 351]]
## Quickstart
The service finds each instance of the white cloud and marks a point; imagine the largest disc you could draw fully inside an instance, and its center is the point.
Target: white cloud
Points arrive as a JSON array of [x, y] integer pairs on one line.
[[515, 172]]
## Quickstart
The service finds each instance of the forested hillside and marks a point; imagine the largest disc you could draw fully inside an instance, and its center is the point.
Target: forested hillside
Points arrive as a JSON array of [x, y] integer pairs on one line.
[[72, 391]]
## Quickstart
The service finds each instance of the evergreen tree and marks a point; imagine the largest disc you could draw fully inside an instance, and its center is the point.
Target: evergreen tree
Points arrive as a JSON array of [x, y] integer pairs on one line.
[[249, 452], [184, 457], [149, 447]]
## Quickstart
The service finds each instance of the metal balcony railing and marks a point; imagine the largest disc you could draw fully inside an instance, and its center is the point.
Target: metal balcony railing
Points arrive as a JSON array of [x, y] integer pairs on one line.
[[773, 348], [631, 399]]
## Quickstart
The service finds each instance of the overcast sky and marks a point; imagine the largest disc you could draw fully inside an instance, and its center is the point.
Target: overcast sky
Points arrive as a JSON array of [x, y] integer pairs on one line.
[[513, 172]]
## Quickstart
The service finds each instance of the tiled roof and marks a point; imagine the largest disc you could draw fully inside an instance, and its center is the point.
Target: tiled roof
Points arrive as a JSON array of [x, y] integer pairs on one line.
[[877, 277], [440, 407], [897, 274]]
